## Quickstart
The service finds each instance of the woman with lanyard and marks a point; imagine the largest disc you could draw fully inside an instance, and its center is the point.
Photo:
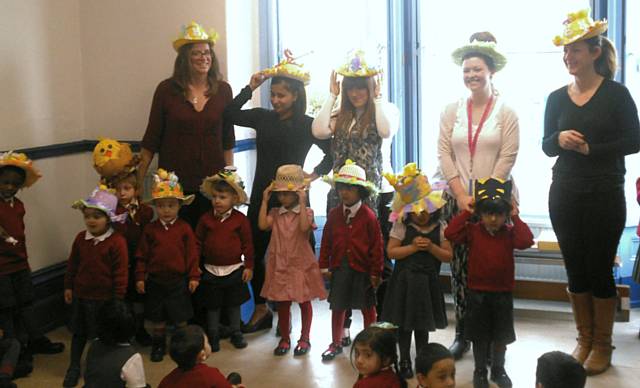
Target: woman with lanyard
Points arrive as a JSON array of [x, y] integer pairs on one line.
[[479, 137]]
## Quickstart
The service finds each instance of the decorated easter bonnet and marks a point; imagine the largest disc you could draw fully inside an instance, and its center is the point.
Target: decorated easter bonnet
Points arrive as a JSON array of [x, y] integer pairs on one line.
[[492, 189], [104, 200], [21, 161], [289, 177], [488, 49], [113, 160], [165, 185], [229, 175], [356, 66], [289, 68], [580, 26], [194, 33], [413, 194], [351, 174]]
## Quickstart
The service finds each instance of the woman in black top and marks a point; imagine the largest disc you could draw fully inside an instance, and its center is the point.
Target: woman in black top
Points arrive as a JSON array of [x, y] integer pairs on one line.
[[283, 136], [590, 125]]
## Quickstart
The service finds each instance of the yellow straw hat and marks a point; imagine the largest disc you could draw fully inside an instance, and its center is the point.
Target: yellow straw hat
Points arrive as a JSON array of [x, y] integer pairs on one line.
[[229, 175], [357, 66], [195, 33], [580, 26], [21, 161], [288, 68], [165, 185]]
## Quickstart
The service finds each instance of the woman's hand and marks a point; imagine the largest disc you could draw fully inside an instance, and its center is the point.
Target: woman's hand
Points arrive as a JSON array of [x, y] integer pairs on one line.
[[140, 287], [68, 296], [193, 284], [465, 202], [311, 177], [377, 85], [571, 140], [256, 80], [334, 84], [247, 274]]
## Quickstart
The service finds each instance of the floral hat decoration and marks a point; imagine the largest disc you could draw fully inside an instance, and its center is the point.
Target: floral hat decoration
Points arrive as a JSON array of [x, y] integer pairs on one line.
[[229, 175], [414, 194], [165, 185], [195, 33], [489, 49], [351, 174], [289, 68], [579, 26], [289, 177], [21, 161], [356, 66], [104, 200]]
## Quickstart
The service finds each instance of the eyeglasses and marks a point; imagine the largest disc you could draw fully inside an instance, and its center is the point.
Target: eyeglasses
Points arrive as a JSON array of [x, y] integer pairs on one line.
[[198, 54]]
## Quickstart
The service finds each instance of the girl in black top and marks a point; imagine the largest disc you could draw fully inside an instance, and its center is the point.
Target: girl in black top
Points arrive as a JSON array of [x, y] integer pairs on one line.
[[283, 136], [590, 125]]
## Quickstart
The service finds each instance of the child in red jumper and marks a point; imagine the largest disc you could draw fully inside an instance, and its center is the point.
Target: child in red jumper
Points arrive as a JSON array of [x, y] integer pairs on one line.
[[351, 253], [167, 269], [489, 317], [96, 272], [224, 236], [376, 358]]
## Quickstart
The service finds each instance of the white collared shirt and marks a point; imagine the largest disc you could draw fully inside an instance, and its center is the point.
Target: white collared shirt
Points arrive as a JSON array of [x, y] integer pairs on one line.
[[295, 209], [223, 217], [98, 239], [167, 224], [353, 209]]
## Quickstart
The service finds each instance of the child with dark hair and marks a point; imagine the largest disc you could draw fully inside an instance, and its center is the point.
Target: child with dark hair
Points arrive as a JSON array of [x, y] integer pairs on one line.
[[96, 272], [376, 358], [111, 360], [189, 348], [351, 253], [491, 270], [559, 370], [435, 367]]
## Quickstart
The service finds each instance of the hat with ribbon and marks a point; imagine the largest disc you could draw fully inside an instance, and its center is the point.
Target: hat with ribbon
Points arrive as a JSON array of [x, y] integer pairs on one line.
[[356, 66], [489, 49], [165, 185], [104, 200], [21, 161], [289, 177], [579, 26], [414, 194], [195, 33], [231, 177], [289, 68], [351, 174]]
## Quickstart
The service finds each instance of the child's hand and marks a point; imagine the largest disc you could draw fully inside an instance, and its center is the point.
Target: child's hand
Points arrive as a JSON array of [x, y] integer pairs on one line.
[[302, 196], [416, 243], [68, 296], [326, 275], [375, 281], [140, 287], [247, 274], [193, 284], [514, 208], [266, 194], [425, 244]]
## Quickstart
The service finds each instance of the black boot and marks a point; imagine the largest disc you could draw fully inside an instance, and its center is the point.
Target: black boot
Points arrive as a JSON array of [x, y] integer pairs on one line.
[[480, 378], [460, 345], [158, 348], [498, 373]]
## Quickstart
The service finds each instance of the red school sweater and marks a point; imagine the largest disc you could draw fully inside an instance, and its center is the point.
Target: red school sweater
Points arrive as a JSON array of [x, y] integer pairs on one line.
[[223, 243], [491, 264], [200, 375], [386, 378], [97, 271], [360, 241], [132, 228], [13, 258], [167, 254]]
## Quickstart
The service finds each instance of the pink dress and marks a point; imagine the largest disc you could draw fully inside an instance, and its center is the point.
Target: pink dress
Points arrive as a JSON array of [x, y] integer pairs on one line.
[[292, 272]]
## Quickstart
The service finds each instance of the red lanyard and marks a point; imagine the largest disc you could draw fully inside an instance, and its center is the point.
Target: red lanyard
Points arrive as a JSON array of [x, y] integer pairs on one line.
[[473, 140]]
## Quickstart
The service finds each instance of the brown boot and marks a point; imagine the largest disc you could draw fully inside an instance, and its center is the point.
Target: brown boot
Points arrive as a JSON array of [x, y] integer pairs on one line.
[[599, 359], [582, 307]]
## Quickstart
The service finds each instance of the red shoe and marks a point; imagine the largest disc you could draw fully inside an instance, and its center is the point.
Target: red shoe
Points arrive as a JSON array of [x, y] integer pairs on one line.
[[302, 348], [283, 348], [331, 352]]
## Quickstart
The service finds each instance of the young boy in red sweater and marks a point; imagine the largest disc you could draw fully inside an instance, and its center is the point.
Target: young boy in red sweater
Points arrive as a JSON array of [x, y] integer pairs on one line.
[[167, 262], [224, 237], [351, 252], [491, 268], [16, 290], [96, 272]]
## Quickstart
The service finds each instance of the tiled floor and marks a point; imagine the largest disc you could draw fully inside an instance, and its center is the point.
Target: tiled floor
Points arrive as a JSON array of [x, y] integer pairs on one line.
[[260, 368]]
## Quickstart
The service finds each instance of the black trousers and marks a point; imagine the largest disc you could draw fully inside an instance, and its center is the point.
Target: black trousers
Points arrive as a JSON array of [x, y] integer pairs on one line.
[[588, 226]]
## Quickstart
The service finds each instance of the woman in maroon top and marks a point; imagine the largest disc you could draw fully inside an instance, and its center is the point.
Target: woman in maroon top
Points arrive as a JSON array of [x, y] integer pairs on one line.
[[185, 125]]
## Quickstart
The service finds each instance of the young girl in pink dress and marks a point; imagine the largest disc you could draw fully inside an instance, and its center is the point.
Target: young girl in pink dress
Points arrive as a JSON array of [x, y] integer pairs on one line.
[[292, 273]]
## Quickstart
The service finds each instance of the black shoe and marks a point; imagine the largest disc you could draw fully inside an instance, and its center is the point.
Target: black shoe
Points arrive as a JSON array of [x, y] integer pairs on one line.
[[5, 382], [405, 369], [263, 323], [43, 345], [331, 352], [143, 338], [158, 349], [282, 349], [480, 378], [24, 366], [214, 342], [71, 377], [346, 341], [302, 347], [459, 346], [237, 340], [500, 377]]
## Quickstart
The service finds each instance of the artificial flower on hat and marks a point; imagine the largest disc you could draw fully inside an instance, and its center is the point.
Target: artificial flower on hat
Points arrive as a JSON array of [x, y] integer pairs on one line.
[[492, 189], [357, 66], [351, 174], [289, 177], [166, 185], [489, 49], [229, 175], [580, 26], [413, 193], [288, 68], [21, 161], [195, 33], [104, 200]]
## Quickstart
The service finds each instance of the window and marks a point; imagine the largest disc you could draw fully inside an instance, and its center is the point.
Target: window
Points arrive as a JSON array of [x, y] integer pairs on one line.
[[632, 81]]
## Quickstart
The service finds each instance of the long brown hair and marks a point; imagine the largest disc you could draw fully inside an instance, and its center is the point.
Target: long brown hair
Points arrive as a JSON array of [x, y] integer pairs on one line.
[[348, 111], [182, 70], [607, 63]]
